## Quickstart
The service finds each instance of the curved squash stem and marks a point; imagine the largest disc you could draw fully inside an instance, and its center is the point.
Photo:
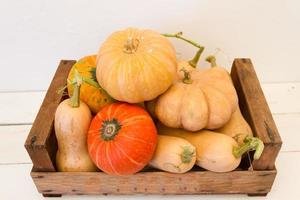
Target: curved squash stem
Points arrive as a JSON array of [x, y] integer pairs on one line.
[[195, 60], [212, 60], [187, 76], [250, 144]]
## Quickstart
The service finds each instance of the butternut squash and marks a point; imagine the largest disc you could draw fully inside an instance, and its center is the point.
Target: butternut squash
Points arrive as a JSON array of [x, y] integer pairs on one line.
[[72, 120], [237, 127], [215, 151], [173, 154]]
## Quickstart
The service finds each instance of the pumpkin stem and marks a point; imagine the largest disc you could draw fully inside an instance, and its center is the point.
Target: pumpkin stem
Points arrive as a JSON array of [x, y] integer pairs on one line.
[[212, 60], [187, 76], [109, 129], [131, 45], [75, 100], [196, 58], [250, 144]]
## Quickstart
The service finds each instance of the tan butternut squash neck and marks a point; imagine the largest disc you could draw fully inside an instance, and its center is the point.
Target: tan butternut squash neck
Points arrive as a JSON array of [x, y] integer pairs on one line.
[[250, 144]]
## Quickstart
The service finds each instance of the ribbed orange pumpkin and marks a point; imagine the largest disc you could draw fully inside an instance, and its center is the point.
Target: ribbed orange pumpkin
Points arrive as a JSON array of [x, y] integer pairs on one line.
[[122, 139], [136, 65]]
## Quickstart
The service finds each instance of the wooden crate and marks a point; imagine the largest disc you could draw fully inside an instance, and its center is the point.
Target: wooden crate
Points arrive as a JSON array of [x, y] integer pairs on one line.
[[252, 177]]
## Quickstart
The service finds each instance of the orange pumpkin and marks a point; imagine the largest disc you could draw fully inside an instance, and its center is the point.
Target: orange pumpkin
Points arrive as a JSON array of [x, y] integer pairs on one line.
[[136, 65], [122, 139]]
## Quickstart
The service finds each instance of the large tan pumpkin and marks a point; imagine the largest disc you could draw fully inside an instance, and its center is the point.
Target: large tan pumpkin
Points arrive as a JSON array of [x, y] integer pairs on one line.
[[203, 98], [136, 65]]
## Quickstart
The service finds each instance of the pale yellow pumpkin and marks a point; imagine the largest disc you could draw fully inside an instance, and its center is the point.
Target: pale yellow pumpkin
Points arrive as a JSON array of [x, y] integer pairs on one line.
[[203, 98], [136, 65]]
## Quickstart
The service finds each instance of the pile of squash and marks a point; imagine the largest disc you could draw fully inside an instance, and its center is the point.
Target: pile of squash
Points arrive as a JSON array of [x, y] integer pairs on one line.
[[134, 105]]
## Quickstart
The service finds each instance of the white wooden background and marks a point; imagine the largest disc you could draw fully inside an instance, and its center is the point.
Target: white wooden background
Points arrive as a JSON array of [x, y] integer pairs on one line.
[[35, 34]]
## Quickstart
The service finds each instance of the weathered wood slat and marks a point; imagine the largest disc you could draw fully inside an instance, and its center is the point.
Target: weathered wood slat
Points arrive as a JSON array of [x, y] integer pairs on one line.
[[256, 111], [41, 143], [286, 184], [195, 182]]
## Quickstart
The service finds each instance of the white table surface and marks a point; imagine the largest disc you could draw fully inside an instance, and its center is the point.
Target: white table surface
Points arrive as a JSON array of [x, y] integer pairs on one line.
[[18, 110]]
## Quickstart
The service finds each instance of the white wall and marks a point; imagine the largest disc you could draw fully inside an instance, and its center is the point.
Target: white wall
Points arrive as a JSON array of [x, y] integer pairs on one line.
[[36, 34]]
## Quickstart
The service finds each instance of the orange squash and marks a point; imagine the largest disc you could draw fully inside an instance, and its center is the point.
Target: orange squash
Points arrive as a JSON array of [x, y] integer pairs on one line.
[[122, 139], [136, 65], [95, 97]]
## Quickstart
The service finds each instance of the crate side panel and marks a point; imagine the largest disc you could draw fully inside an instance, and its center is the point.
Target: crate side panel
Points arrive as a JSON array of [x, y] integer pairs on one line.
[[205, 182], [41, 144], [256, 111]]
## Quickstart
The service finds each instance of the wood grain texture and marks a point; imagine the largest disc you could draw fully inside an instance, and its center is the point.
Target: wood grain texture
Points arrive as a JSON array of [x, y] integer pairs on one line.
[[286, 184], [195, 182], [41, 142], [256, 111]]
